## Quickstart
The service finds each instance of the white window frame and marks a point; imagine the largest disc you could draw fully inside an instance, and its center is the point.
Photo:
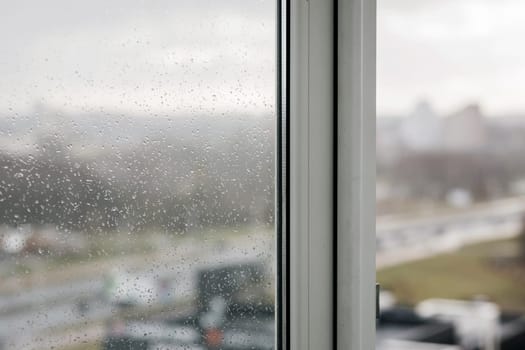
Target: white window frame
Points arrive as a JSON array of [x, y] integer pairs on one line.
[[329, 274]]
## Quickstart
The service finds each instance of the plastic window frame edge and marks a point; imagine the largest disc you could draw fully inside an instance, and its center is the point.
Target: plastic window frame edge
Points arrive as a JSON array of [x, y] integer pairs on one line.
[[356, 234], [328, 226]]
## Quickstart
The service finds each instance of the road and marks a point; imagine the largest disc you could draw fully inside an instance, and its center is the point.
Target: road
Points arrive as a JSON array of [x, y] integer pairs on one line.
[[402, 239]]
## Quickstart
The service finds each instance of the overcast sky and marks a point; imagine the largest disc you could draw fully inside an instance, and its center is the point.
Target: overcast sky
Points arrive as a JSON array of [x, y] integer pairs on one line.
[[195, 56], [451, 52], [150, 56]]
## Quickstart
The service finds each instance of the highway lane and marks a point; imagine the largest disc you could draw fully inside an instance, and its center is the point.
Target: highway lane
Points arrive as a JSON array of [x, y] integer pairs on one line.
[[400, 240], [486, 212], [72, 291]]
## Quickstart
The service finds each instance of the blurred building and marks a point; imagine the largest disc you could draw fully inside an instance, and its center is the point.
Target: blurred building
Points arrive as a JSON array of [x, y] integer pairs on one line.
[[465, 130], [422, 130]]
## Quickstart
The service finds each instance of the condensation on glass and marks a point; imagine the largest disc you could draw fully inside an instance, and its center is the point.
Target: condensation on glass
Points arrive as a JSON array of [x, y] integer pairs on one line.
[[137, 174]]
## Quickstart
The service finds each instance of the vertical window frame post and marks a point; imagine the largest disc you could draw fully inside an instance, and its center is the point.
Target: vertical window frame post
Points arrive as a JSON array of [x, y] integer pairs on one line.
[[330, 223]]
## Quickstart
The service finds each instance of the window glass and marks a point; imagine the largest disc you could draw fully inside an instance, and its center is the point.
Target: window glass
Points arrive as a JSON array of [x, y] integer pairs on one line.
[[451, 173], [137, 172]]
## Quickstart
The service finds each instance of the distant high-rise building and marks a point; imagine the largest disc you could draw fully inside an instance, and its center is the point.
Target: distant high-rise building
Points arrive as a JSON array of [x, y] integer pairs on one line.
[[465, 130], [422, 130]]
